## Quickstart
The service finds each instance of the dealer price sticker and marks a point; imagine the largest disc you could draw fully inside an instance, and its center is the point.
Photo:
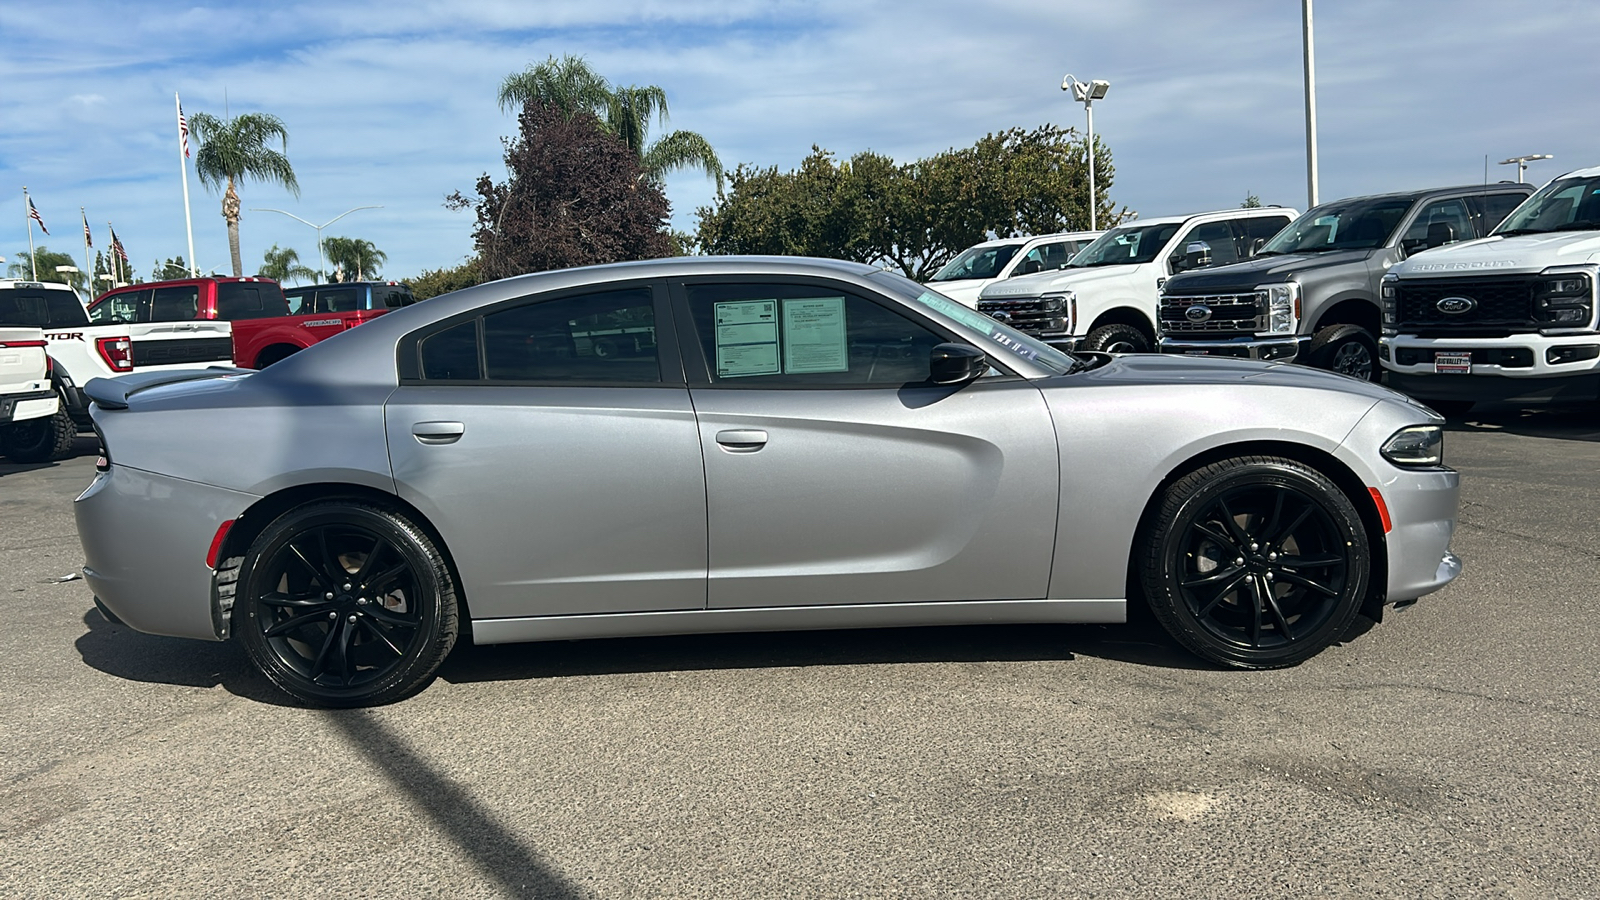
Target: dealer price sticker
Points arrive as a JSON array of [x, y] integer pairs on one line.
[[1446, 362]]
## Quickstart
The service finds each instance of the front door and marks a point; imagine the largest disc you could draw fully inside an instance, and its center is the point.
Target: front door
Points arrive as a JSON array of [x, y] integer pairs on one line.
[[836, 474], [563, 478]]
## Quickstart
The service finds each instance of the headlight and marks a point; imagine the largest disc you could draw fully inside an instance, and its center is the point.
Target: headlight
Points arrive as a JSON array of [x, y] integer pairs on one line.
[[1063, 302], [1283, 307], [1418, 445], [1564, 299], [1391, 304]]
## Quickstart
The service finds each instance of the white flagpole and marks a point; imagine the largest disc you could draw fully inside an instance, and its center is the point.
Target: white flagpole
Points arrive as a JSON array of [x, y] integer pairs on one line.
[[88, 261], [27, 213], [183, 166]]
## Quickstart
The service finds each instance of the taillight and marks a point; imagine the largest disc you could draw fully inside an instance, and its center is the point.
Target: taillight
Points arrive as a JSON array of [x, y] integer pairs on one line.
[[18, 345], [117, 353]]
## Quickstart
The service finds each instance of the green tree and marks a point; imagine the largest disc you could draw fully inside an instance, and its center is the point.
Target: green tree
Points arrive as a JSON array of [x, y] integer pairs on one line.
[[1251, 201], [353, 259], [433, 282], [169, 270], [23, 266], [283, 265], [109, 270], [232, 151], [569, 86]]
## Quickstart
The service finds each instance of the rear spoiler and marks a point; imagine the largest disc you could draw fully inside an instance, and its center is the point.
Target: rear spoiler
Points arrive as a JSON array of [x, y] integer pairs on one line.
[[113, 393]]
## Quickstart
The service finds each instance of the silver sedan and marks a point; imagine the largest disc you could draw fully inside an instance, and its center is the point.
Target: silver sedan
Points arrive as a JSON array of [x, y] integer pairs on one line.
[[738, 444]]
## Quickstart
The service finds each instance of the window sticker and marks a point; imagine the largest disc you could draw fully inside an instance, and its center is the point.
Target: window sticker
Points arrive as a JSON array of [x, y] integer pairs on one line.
[[973, 319], [814, 336], [747, 338]]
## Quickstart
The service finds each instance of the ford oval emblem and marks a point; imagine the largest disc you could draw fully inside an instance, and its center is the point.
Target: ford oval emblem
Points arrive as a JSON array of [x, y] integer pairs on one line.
[[1000, 316], [1455, 306], [1197, 313]]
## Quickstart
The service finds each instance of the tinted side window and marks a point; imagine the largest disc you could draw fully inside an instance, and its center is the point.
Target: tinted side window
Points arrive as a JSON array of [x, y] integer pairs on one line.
[[175, 304], [392, 296], [340, 300], [121, 309], [452, 354], [774, 335], [250, 300], [608, 337], [299, 302], [1216, 235], [1441, 222], [1260, 228], [1492, 209]]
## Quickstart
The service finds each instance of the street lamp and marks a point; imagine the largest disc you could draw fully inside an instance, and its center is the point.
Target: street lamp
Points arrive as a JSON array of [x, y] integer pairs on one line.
[[1086, 93], [1521, 162], [68, 271], [321, 262]]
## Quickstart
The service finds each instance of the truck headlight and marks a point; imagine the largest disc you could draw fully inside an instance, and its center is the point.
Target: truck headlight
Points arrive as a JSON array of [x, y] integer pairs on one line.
[[1390, 292], [1283, 307], [1564, 299], [1418, 445], [1062, 303]]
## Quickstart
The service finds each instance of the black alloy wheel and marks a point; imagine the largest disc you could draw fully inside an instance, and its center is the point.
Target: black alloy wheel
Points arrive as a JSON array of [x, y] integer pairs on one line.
[[345, 604], [1256, 562], [1346, 349]]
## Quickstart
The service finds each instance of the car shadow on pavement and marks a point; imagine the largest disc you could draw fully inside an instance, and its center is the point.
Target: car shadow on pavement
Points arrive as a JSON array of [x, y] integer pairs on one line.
[[82, 445], [1578, 422], [1135, 643], [121, 652]]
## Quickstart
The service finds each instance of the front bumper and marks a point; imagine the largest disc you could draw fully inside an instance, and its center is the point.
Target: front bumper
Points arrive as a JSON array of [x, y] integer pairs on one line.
[[32, 405], [1539, 379], [1276, 349], [145, 538]]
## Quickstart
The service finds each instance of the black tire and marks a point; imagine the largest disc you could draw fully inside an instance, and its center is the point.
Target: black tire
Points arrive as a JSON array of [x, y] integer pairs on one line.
[[1255, 562], [1451, 408], [1346, 349], [1117, 338], [44, 439], [344, 603], [275, 354]]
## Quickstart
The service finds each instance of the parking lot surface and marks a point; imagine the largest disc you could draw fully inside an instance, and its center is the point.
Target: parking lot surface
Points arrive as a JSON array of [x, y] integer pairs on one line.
[[1449, 752]]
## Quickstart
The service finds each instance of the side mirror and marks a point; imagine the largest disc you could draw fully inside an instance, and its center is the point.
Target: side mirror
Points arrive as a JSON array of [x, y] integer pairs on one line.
[[956, 363], [1197, 255], [1255, 246], [1029, 266]]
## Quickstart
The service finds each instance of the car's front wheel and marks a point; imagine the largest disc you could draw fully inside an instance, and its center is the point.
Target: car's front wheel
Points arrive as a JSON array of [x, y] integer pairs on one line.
[[344, 603], [1255, 562]]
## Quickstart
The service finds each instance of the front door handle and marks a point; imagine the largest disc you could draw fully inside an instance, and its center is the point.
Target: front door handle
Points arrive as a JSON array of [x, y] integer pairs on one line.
[[742, 440], [438, 432]]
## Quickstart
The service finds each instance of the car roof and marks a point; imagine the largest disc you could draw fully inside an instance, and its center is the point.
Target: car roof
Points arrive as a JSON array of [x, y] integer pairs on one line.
[[20, 282], [1235, 212], [343, 284], [1590, 172], [1428, 192]]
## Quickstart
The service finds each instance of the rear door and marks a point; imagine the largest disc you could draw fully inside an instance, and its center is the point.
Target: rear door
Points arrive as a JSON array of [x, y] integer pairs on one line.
[[836, 474]]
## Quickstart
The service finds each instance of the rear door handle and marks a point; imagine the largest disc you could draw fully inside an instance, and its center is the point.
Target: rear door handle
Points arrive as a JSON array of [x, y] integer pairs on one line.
[[742, 440], [438, 432]]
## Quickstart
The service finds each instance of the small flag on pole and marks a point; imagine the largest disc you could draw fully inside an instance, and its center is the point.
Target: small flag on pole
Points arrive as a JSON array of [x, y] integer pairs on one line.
[[88, 239], [33, 213], [116, 246], [183, 131]]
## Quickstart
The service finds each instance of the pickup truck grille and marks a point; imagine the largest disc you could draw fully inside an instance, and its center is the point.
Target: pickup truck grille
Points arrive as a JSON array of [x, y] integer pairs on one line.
[[1500, 303], [1027, 316], [167, 353], [1231, 314]]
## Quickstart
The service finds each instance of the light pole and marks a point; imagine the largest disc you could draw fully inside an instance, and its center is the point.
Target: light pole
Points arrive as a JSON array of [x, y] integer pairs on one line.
[[68, 271], [1086, 93], [1311, 103], [321, 262], [1521, 162]]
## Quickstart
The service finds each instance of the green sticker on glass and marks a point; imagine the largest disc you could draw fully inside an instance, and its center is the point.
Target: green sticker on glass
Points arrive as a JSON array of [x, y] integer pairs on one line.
[[747, 338], [814, 336]]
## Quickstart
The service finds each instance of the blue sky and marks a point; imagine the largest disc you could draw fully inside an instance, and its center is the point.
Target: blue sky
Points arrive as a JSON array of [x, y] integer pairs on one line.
[[392, 103]]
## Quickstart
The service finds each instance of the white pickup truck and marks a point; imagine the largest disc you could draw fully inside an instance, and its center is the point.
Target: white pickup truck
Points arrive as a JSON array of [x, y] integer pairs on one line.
[[79, 350], [981, 265], [1510, 317], [28, 405]]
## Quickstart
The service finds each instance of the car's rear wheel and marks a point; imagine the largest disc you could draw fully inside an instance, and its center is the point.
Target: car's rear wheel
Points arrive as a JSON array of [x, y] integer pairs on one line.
[[1255, 562], [344, 603], [39, 440]]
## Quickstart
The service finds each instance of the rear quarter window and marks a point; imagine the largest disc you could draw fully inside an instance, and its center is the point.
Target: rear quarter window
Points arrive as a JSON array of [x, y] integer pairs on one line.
[[250, 300]]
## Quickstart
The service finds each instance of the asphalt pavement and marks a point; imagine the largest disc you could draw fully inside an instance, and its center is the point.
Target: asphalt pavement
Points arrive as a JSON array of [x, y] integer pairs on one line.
[[1448, 752]]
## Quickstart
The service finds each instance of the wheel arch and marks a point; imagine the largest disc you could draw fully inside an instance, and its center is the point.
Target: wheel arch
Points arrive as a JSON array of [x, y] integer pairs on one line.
[[276, 352], [249, 524], [1125, 315], [1357, 309], [1329, 465]]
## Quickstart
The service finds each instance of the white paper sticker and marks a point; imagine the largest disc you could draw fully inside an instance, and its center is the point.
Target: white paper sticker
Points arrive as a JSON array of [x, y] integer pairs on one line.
[[814, 336], [747, 338]]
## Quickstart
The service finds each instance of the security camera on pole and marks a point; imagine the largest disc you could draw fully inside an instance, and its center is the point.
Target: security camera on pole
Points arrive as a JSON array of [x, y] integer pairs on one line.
[[1086, 93]]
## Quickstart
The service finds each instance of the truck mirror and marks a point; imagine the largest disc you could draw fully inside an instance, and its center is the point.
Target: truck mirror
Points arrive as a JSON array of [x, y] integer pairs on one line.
[[1196, 255], [1255, 246]]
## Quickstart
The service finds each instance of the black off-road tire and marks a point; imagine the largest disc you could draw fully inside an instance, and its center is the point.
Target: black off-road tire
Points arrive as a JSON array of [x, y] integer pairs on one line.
[[345, 603], [44, 439], [1116, 338], [1255, 562], [1346, 349]]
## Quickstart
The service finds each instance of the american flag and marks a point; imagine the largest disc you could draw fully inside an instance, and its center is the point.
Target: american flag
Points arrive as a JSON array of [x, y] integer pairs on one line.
[[88, 239], [116, 246], [33, 213], [183, 131]]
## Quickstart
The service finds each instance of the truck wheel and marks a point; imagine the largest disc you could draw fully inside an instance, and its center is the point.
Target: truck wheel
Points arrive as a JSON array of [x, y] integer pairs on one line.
[[1117, 339], [40, 440], [1346, 349], [275, 353]]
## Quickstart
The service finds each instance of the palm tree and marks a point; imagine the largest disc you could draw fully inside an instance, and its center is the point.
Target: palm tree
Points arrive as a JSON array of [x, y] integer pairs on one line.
[[353, 259], [571, 86], [237, 149], [282, 265]]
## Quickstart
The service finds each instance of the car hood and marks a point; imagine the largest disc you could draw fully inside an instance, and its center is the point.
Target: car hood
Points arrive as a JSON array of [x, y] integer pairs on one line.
[[1156, 369], [1244, 276], [1061, 280], [1518, 254]]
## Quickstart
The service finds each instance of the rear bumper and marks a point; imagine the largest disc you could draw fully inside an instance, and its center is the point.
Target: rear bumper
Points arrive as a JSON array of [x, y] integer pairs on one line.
[[1284, 349], [145, 538], [31, 405]]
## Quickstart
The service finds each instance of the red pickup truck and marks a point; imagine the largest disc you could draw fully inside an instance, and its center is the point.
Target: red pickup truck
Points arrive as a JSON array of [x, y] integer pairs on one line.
[[264, 330]]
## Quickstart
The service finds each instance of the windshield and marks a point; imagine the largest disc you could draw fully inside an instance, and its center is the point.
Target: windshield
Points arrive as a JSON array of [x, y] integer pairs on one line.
[[1124, 246], [983, 261], [1355, 225], [1036, 351], [1566, 204]]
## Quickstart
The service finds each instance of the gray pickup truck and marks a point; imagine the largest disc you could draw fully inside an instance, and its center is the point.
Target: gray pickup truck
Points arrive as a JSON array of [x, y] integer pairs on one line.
[[1311, 295]]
